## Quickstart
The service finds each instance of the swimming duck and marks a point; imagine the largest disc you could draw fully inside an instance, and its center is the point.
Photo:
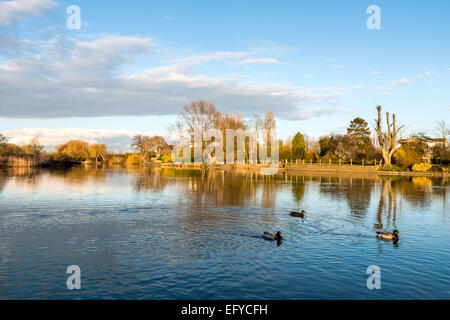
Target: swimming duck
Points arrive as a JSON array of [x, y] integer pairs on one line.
[[388, 235], [298, 214], [272, 236]]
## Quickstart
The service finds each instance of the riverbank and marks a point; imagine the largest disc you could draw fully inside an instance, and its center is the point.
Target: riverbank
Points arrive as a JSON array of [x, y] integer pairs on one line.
[[22, 162], [309, 168]]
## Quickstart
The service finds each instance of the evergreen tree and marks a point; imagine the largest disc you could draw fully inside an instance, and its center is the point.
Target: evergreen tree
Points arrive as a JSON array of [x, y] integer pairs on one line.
[[359, 130], [298, 146]]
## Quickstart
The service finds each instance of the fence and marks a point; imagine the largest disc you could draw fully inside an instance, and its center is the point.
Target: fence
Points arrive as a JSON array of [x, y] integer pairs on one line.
[[330, 162]]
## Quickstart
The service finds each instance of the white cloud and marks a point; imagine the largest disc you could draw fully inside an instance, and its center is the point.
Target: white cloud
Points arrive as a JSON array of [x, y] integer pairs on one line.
[[65, 78], [118, 140], [375, 72], [424, 75], [257, 61], [13, 11], [406, 81], [403, 81]]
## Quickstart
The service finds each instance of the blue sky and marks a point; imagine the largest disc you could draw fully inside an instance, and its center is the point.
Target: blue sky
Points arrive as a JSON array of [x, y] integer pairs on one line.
[[134, 64]]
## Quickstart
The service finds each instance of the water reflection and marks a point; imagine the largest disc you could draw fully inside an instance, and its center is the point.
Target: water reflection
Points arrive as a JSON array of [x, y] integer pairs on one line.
[[243, 188], [168, 233]]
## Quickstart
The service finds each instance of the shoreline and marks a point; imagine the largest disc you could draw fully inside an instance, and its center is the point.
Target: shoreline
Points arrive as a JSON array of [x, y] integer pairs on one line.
[[309, 168], [289, 169]]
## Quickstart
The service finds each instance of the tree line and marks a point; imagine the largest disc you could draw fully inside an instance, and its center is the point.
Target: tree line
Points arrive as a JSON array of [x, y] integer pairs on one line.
[[359, 143], [72, 151]]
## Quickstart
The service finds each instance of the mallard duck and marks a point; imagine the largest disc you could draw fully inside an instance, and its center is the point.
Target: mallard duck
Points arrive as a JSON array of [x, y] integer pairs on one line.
[[388, 235], [272, 236], [298, 214]]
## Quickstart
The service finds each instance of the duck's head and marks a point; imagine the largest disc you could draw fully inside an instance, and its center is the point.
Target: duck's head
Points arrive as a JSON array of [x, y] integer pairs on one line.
[[396, 233], [279, 236]]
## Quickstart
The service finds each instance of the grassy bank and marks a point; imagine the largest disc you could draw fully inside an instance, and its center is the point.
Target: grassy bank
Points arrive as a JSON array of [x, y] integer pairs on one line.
[[313, 168]]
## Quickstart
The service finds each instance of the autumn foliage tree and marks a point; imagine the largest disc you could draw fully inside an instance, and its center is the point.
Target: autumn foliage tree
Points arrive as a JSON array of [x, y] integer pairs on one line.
[[76, 150], [149, 146], [97, 152]]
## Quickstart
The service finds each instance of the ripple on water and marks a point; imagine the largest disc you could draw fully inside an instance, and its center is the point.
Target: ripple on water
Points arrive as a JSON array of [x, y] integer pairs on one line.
[[184, 237]]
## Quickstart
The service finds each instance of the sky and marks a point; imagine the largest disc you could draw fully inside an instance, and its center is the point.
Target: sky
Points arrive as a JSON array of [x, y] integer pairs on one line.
[[132, 65]]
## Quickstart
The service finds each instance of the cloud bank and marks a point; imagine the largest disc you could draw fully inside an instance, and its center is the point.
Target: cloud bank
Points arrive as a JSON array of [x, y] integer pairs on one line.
[[11, 12], [65, 77]]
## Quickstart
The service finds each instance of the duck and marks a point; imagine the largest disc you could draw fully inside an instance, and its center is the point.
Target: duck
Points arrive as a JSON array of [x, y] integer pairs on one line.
[[298, 214], [272, 236], [389, 235]]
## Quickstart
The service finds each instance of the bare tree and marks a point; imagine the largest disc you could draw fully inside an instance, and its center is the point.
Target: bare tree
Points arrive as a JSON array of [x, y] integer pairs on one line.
[[139, 143], [256, 124], [33, 148], [157, 145], [388, 141], [443, 131], [198, 115], [269, 121], [269, 125]]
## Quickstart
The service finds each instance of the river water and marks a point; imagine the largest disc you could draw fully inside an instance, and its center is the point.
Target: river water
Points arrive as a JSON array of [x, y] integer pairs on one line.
[[181, 234]]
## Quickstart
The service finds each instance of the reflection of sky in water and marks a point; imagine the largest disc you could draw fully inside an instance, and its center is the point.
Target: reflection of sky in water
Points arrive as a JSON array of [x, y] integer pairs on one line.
[[166, 234]]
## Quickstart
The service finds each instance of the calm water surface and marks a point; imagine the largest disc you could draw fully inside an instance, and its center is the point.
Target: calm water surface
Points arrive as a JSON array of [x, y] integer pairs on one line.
[[170, 234]]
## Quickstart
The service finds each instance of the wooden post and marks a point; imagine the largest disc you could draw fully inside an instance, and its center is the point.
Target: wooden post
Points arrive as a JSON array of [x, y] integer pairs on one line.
[[320, 161], [375, 162], [303, 161], [363, 162], [329, 162], [310, 161], [340, 162]]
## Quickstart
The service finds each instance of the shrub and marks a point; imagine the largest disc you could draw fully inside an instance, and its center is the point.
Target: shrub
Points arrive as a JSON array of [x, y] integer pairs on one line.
[[421, 167], [285, 153], [392, 168], [167, 158], [133, 159], [115, 159], [406, 157]]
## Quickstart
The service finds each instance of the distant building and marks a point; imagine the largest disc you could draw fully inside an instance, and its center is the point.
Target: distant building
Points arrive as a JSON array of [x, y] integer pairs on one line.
[[430, 143]]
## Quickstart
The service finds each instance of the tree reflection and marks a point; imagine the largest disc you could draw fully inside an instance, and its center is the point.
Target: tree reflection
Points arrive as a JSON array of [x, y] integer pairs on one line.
[[298, 190], [388, 203], [81, 175], [26, 175], [419, 192], [356, 191]]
